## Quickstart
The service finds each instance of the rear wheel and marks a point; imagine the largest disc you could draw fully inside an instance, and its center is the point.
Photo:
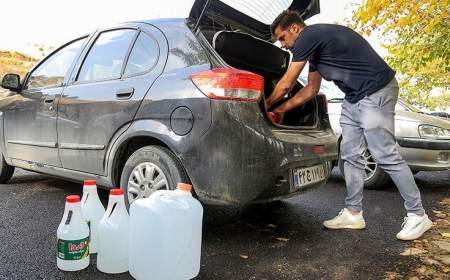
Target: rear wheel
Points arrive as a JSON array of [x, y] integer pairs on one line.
[[374, 176], [6, 171], [149, 169]]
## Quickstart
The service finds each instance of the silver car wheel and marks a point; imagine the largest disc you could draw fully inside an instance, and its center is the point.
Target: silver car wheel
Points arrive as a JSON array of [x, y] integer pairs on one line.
[[370, 165], [145, 179]]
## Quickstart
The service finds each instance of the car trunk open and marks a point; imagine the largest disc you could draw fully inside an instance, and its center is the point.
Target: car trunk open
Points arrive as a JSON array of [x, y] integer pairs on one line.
[[248, 53], [239, 33], [250, 16]]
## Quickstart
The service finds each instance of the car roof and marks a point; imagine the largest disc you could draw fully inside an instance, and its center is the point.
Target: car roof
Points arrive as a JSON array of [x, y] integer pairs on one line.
[[162, 22]]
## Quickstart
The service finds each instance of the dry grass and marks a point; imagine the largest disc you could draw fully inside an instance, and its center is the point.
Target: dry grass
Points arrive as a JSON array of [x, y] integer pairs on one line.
[[15, 62]]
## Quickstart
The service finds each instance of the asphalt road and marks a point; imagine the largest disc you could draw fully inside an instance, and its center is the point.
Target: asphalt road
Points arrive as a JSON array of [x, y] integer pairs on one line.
[[31, 207]]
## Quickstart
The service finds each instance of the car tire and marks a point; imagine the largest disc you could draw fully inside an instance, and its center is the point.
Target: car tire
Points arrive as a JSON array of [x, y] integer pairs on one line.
[[158, 160], [6, 171], [376, 178]]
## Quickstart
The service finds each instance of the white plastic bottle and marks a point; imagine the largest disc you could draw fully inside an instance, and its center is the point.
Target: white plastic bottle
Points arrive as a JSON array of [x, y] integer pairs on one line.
[[93, 211], [113, 231], [73, 238], [165, 235]]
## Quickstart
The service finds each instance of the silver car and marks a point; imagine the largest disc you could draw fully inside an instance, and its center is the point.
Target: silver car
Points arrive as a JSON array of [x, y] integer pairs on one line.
[[423, 140]]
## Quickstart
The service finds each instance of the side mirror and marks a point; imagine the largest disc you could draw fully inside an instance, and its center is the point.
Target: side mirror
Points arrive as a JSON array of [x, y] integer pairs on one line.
[[11, 82]]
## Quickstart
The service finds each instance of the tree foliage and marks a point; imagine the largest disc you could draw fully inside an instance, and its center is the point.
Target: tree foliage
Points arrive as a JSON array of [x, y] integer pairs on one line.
[[417, 37]]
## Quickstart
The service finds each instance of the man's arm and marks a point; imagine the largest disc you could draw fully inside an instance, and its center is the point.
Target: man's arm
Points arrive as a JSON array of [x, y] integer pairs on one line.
[[286, 83], [303, 95]]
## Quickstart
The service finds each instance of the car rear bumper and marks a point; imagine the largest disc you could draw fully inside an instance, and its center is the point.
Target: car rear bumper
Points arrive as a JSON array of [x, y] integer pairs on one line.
[[425, 155], [245, 160]]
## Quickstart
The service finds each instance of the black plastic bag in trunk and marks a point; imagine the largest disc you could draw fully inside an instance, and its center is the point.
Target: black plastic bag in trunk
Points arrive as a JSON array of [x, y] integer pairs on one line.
[[245, 52]]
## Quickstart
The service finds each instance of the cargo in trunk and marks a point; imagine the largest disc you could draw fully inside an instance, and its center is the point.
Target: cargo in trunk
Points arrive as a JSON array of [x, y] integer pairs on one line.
[[246, 52]]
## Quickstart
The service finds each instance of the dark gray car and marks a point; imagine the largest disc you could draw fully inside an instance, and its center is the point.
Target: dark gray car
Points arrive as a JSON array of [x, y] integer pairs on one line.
[[144, 105]]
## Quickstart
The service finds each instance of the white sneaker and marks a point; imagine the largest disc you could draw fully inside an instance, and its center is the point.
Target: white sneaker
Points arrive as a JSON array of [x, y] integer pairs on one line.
[[346, 219], [414, 226]]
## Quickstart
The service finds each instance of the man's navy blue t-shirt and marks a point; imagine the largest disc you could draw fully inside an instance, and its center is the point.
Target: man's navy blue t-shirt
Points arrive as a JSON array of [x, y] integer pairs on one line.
[[343, 56]]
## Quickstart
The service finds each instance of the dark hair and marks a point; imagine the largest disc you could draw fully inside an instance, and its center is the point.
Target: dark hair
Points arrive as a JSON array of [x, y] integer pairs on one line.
[[286, 19]]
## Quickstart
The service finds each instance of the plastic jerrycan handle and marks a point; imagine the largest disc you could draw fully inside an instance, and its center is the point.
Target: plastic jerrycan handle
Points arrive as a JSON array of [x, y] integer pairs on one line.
[[83, 202], [87, 184], [171, 198], [112, 207], [68, 218], [70, 208]]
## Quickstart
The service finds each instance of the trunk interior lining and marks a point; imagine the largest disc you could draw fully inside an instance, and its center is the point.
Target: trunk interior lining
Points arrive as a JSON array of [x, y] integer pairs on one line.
[[248, 53]]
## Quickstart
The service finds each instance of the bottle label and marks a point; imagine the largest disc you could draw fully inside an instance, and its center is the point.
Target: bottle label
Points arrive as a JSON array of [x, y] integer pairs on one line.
[[73, 249]]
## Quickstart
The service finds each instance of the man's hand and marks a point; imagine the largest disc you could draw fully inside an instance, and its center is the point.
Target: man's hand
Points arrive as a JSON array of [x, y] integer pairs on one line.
[[302, 96], [276, 117], [286, 83]]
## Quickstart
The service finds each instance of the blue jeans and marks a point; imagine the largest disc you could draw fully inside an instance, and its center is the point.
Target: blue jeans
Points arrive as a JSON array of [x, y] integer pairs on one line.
[[369, 123]]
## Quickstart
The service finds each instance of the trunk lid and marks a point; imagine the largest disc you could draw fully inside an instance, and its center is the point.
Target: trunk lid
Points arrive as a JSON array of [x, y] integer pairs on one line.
[[251, 16]]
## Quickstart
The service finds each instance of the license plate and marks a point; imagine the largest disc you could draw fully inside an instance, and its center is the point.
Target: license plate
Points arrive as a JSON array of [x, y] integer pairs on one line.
[[308, 175]]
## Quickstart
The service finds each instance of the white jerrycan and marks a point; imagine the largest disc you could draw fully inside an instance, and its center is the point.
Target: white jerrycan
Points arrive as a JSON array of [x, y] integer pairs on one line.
[[73, 237], [165, 235], [92, 210], [113, 232]]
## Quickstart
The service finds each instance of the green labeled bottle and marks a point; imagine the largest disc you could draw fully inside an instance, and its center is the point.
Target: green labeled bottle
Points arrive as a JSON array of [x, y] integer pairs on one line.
[[73, 238]]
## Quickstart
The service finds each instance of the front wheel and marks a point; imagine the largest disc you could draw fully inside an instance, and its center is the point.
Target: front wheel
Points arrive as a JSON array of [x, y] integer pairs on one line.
[[149, 169], [374, 176], [6, 171]]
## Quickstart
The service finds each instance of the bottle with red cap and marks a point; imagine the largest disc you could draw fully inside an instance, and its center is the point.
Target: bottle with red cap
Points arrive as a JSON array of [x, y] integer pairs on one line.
[[166, 235], [113, 230], [92, 210], [73, 237]]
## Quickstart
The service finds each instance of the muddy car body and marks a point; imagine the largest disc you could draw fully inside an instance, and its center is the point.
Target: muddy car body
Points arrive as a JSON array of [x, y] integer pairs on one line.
[[144, 105]]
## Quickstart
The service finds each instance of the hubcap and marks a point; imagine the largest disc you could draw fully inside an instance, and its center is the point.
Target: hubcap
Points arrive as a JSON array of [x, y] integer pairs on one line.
[[370, 166], [145, 179]]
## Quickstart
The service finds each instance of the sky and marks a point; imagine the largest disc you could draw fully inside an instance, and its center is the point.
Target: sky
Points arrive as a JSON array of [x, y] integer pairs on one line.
[[52, 23]]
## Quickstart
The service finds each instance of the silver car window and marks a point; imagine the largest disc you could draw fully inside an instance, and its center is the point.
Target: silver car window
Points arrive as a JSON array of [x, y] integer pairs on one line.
[[144, 55], [52, 71], [105, 59]]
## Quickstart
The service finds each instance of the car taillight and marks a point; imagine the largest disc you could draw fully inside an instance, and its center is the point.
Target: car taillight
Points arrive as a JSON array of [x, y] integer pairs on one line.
[[318, 149], [323, 102], [230, 84]]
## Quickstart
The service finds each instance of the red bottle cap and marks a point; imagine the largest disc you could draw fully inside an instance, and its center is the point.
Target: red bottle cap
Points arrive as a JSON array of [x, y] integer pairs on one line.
[[90, 182], [116, 192], [73, 199]]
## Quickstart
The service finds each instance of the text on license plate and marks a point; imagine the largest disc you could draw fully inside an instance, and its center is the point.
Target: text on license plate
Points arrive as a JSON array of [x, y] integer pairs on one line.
[[308, 175]]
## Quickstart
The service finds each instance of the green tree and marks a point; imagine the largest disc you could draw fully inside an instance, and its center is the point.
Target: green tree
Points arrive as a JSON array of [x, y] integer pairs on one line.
[[417, 37]]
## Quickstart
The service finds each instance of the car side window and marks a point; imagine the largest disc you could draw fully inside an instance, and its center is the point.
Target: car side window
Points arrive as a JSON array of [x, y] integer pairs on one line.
[[105, 59], [52, 71], [144, 55]]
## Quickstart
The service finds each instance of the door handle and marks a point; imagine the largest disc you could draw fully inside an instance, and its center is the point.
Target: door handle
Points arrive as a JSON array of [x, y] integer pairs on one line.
[[125, 93], [49, 102]]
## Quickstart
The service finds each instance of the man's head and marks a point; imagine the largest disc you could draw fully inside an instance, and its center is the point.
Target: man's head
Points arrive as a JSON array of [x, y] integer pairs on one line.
[[286, 28]]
